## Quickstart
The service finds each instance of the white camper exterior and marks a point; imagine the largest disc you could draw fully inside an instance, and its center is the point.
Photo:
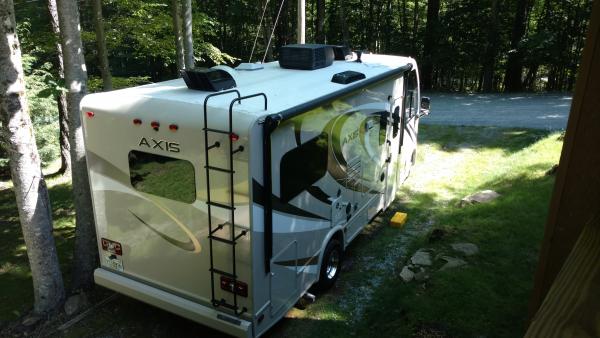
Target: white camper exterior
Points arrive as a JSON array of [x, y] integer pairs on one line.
[[229, 220]]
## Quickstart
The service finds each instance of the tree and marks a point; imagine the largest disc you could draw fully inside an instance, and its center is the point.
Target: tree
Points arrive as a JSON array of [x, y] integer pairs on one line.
[[29, 185], [176, 14], [188, 41], [320, 27], [61, 98], [514, 65], [101, 46], [86, 256], [489, 57], [430, 43]]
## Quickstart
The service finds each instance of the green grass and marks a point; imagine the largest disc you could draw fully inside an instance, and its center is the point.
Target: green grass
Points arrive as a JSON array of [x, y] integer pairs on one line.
[[488, 297]]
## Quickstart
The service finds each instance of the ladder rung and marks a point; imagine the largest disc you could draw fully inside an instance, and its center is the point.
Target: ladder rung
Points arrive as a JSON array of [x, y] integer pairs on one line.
[[219, 227], [226, 274], [222, 240], [242, 234], [215, 130], [219, 169], [219, 205], [224, 304], [239, 149]]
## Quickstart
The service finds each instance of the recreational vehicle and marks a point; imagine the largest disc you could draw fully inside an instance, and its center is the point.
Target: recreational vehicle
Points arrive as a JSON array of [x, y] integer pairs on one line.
[[224, 196]]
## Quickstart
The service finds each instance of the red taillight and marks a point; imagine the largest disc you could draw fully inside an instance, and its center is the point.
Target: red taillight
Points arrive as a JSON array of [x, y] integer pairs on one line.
[[239, 288], [173, 127], [155, 125], [234, 137], [137, 122], [112, 246], [90, 114]]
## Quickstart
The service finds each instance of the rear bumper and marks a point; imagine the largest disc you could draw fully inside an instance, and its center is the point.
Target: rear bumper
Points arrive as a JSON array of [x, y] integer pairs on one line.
[[172, 303]]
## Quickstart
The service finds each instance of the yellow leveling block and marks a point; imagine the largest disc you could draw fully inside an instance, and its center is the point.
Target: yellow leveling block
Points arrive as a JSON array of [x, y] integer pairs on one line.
[[398, 220]]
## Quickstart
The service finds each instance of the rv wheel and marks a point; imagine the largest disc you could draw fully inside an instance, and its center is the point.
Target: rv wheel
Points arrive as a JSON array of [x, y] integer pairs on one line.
[[331, 265]]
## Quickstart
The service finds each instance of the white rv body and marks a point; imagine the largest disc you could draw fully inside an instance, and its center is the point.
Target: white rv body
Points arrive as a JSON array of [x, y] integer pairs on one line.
[[319, 163]]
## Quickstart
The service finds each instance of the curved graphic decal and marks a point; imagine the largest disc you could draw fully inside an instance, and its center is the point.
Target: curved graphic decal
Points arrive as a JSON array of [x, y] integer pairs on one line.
[[192, 244]]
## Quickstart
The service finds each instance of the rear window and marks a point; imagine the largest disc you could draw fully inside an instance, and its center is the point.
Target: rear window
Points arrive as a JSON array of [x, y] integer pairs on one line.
[[303, 166], [162, 176]]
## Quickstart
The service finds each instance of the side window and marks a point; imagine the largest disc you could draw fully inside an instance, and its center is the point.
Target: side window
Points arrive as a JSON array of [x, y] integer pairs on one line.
[[301, 167], [410, 97], [162, 176]]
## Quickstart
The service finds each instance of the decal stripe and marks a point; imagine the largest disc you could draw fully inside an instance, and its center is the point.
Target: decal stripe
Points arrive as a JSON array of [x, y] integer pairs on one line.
[[319, 194], [300, 261], [258, 193]]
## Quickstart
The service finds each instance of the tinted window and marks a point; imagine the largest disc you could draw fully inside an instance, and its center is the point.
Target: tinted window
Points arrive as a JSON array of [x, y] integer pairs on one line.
[[303, 166], [162, 176]]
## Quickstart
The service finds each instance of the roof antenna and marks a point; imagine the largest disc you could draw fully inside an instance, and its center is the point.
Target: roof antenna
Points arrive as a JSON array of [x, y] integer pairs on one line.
[[249, 65], [273, 31]]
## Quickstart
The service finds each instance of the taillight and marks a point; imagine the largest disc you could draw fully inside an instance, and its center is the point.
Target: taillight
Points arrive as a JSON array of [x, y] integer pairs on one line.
[[173, 127], [155, 125], [234, 137], [237, 287], [90, 114], [137, 122]]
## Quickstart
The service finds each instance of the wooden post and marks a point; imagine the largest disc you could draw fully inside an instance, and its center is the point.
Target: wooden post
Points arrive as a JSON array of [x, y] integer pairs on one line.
[[576, 197], [301, 32]]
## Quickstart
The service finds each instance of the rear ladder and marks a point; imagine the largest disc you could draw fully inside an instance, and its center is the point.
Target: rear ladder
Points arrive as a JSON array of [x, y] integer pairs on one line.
[[233, 237]]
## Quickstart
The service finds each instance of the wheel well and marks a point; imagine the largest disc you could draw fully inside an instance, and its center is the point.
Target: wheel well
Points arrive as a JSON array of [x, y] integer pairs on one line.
[[339, 235]]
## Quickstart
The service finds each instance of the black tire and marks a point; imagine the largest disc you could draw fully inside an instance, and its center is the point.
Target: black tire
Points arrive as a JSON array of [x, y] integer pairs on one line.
[[331, 266]]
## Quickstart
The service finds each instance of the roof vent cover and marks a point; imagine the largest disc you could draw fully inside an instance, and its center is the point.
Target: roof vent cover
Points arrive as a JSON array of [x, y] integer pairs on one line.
[[208, 80], [306, 56]]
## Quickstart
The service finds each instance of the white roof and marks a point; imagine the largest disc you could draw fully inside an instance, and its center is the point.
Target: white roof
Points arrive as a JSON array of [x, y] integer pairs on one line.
[[285, 88]]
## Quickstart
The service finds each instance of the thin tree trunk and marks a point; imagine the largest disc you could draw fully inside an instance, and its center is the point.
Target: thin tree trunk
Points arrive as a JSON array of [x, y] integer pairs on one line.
[[320, 34], [514, 65], [61, 98], [30, 189], [176, 14], [188, 41], [415, 28], [344, 24], [86, 255], [489, 61], [101, 45], [431, 38]]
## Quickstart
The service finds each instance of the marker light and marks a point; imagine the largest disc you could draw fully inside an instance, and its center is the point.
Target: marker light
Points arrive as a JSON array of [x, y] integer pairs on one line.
[[155, 125], [173, 127], [234, 137], [137, 122], [90, 114]]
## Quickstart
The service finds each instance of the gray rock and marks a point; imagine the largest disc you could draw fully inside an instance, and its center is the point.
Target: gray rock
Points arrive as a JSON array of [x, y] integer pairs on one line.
[[484, 196], [31, 320], [421, 276], [452, 262], [422, 258], [406, 274], [75, 303], [468, 249]]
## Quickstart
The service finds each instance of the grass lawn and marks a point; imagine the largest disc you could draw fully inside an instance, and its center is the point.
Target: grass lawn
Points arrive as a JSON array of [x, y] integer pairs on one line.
[[487, 297]]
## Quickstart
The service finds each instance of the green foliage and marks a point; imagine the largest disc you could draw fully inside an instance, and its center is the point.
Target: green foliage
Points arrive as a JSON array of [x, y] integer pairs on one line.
[[95, 82]]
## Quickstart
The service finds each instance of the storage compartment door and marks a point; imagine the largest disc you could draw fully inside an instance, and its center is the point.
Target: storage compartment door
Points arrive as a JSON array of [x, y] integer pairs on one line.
[[284, 278]]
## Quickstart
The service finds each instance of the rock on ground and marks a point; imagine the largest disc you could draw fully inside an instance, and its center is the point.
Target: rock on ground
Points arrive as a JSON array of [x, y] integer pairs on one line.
[[421, 257], [452, 262], [468, 249], [75, 303], [484, 196], [406, 274]]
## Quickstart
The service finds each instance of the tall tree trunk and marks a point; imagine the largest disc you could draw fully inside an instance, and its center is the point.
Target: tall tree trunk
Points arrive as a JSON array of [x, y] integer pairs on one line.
[[415, 28], [188, 41], [430, 43], [177, 31], [344, 24], [30, 189], [101, 45], [514, 65], [320, 29], [86, 255], [301, 27], [489, 61], [61, 98]]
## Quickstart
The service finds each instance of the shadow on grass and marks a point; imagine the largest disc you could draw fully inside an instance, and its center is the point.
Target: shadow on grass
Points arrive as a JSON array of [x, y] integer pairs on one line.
[[455, 138], [487, 297]]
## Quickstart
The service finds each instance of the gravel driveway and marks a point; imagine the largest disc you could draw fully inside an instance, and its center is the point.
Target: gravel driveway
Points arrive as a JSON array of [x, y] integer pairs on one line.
[[540, 111]]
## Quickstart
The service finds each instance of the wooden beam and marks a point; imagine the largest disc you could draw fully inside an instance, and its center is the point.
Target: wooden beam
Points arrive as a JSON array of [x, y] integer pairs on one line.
[[576, 196]]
